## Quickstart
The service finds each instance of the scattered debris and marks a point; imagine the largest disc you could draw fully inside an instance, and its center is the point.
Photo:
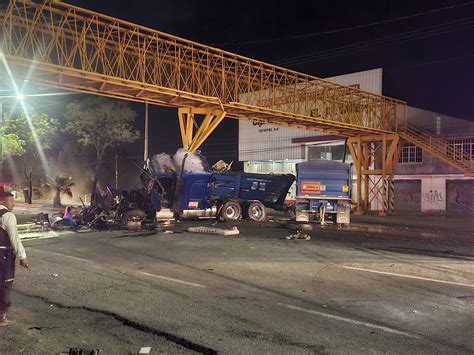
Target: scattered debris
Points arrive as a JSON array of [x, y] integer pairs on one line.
[[54, 275], [166, 232], [300, 227], [299, 235], [221, 166], [207, 230], [116, 210], [40, 329], [80, 351]]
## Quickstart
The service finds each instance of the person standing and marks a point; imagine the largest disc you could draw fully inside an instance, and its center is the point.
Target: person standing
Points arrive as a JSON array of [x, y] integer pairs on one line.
[[10, 248]]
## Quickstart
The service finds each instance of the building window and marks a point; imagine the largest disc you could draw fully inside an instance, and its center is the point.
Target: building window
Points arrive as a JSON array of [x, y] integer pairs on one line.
[[326, 152], [410, 154], [462, 147]]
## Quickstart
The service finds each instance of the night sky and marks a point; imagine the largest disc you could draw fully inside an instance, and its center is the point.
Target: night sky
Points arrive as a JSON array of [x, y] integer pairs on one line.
[[427, 57]]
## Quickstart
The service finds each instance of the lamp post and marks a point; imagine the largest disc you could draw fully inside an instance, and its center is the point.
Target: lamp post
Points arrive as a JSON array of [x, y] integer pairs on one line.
[[145, 150]]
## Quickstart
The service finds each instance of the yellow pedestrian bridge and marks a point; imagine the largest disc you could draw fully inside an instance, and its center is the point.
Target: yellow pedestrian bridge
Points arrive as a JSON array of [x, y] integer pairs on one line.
[[64, 46]]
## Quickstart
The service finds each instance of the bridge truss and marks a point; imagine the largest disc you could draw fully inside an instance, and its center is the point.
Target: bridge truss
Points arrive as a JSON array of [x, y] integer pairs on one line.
[[64, 46]]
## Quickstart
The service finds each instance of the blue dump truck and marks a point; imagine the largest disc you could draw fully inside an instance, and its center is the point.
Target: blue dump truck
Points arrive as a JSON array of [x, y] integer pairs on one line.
[[228, 195], [323, 192]]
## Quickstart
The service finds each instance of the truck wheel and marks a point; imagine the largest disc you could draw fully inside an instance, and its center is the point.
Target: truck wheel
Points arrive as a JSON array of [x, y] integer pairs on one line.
[[256, 211], [231, 211]]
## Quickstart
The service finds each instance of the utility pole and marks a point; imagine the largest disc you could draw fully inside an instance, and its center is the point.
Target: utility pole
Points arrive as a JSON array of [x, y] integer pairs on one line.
[[116, 171], [145, 152]]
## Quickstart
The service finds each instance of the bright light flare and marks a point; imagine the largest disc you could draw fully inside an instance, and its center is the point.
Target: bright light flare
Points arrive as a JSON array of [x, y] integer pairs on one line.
[[20, 96], [39, 148]]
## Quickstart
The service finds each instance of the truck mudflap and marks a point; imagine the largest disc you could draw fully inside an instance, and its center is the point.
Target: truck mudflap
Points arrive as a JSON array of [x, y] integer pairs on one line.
[[343, 212], [318, 210]]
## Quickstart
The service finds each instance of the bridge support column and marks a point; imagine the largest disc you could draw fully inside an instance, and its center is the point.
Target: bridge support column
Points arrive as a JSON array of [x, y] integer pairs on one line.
[[375, 158], [194, 134]]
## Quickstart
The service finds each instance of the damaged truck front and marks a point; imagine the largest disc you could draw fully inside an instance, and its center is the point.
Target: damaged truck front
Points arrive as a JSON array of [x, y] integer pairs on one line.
[[191, 190]]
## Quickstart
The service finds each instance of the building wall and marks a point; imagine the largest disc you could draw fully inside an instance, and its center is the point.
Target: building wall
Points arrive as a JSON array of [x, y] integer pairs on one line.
[[267, 142], [408, 195], [438, 123], [435, 193], [429, 165], [460, 197]]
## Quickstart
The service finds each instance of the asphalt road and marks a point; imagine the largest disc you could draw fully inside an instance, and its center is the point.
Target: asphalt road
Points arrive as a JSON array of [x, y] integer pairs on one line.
[[343, 291]]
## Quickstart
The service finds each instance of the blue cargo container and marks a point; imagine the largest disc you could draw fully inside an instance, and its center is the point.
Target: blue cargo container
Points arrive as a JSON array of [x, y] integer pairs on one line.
[[226, 195], [270, 190], [323, 192]]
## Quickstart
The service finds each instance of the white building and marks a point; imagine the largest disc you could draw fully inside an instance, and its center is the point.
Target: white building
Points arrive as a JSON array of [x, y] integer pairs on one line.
[[265, 148]]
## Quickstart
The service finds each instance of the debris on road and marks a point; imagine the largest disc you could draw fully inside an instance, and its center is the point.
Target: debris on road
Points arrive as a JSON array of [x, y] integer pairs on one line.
[[116, 210], [145, 350], [166, 232], [80, 351], [207, 230], [300, 227], [299, 235]]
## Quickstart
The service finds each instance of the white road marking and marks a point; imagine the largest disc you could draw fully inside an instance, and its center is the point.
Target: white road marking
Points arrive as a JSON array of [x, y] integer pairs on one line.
[[66, 256], [409, 276], [134, 272], [170, 279], [348, 320]]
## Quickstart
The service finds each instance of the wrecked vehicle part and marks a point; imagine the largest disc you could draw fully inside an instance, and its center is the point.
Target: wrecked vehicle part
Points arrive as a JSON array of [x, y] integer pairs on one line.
[[221, 166], [117, 210], [191, 190]]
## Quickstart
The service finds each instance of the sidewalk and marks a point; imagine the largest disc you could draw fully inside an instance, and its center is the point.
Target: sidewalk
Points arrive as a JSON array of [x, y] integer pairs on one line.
[[439, 223], [26, 213]]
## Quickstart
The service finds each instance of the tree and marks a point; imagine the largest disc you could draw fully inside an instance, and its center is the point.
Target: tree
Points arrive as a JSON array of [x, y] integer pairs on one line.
[[101, 123], [61, 185], [25, 135]]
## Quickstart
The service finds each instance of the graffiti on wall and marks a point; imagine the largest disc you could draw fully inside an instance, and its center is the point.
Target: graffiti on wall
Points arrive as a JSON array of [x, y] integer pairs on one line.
[[433, 194], [433, 197]]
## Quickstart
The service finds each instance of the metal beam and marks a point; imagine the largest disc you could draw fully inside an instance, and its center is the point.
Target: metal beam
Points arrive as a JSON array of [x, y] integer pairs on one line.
[[188, 121], [76, 42], [375, 158]]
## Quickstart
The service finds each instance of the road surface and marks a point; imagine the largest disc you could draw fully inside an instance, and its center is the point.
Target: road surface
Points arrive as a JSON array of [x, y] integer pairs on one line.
[[343, 291]]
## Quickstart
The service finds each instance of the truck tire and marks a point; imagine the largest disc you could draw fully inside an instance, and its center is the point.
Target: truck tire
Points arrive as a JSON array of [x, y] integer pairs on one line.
[[256, 211], [231, 211]]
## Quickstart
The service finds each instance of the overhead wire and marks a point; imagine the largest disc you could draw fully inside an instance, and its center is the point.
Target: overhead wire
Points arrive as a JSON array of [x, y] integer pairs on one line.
[[425, 32], [451, 59], [350, 28]]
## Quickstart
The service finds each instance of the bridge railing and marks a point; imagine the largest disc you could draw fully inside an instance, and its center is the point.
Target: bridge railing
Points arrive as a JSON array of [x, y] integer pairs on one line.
[[59, 34]]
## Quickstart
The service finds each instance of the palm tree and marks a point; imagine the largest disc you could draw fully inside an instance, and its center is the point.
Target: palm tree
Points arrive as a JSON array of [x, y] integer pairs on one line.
[[62, 185]]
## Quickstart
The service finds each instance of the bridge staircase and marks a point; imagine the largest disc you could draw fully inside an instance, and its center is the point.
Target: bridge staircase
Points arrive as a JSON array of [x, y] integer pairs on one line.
[[451, 154]]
